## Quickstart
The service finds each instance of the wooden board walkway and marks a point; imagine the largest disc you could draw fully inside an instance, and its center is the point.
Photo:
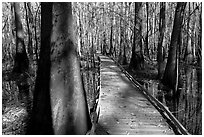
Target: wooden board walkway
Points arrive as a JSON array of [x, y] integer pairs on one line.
[[124, 110]]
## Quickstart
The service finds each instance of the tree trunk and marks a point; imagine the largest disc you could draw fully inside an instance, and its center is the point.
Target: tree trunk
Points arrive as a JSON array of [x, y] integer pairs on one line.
[[60, 105], [28, 23], [35, 34], [160, 53], [41, 118], [121, 44], [170, 74], [111, 41], [146, 47], [199, 52], [68, 99], [104, 45], [137, 59], [124, 56], [21, 62], [189, 52]]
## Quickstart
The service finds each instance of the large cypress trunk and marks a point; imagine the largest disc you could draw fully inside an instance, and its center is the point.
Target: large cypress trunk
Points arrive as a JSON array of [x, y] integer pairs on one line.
[[61, 99], [68, 99], [171, 74]]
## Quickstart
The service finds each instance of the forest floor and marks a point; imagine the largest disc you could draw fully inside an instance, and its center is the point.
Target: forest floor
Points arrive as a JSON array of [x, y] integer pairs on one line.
[[14, 112], [123, 109], [14, 120]]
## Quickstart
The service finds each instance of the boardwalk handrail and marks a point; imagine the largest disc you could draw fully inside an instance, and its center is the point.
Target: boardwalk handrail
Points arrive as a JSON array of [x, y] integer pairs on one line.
[[95, 108], [98, 88], [162, 109]]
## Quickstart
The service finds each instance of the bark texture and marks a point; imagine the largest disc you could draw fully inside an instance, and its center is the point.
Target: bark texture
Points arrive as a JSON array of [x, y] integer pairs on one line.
[[160, 52], [60, 105], [137, 58], [170, 74]]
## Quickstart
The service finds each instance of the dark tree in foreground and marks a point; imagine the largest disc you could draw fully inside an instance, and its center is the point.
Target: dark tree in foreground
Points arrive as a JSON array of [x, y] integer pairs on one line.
[[170, 77], [60, 105], [41, 119]]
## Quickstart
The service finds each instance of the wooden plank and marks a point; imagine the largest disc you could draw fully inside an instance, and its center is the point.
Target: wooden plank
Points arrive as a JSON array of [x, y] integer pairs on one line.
[[179, 127], [123, 108]]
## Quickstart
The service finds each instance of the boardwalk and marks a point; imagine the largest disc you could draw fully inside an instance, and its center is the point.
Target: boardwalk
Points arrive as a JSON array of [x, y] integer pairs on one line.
[[123, 108]]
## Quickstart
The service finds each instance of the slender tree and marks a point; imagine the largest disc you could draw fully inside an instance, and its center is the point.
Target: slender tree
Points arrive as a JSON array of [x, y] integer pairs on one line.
[[160, 53], [28, 23], [111, 40], [189, 51], [35, 34], [146, 47]]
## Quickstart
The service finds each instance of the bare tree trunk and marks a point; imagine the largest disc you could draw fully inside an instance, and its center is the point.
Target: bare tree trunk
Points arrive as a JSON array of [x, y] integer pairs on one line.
[[170, 75], [60, 105], [28, 23], [120, 56], [68, 99], [35, 32], [199, 70], [21, 59], [21, 62], [41, 118], [199, 53], [189, 52], [146, 47], [137, 59], [160, 53], [104, 44], [111, 51], [111, 41]]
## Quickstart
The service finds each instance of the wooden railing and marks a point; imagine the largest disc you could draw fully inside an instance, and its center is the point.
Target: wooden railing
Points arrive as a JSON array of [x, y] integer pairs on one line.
[[173, 122], [95, 108]]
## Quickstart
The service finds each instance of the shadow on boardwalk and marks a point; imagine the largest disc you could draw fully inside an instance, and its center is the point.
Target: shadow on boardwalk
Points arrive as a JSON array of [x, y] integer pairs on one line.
[[123, 108]]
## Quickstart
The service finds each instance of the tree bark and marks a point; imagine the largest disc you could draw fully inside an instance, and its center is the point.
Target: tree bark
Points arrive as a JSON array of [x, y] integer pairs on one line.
[[146, 47], [188, 51], [28, 23], [35, 35], [170, 74], [137, 59], [60, 105], [21, 62], [68, 99], [160, 53], [111, 41], [111, 51], [104, 45], [41, 118]]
